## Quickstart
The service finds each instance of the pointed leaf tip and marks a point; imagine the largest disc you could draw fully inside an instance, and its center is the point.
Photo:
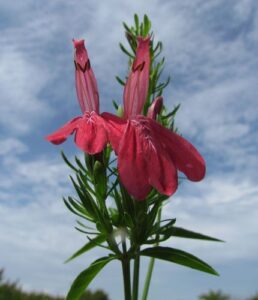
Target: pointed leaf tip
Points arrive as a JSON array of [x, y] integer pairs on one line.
[[84, 278], [91, 244], [179, 257]]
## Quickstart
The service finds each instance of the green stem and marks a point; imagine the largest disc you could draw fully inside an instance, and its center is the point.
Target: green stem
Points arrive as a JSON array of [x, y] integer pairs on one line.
[[151, 267], [136, 275], [126, 272], [148, 279]]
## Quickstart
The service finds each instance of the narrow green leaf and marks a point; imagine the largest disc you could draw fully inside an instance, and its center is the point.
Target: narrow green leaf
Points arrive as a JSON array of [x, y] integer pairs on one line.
[[141, 29], [83, 180], [86, 203], [127, 202], [80, 165], [84, 278], [158, 229], [136, 20], [89, 161], [67, 204], [68, 162], [158, 46], [120, 111], [100, 179], [179, 257], [147, 25], [125, 50], [76, 205], [115, 104], [158, 49], [85, 232], [119, 80], [113, 187], [91, 244], [84, 226], [126, 27], [173, 112], [184, 233], [158, 198]]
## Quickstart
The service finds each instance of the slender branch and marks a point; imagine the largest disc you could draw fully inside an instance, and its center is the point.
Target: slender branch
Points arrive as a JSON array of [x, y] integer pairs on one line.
[[151, 266], [148, 279]]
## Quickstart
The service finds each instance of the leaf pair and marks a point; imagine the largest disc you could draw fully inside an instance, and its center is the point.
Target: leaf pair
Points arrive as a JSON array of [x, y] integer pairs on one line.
[[164, 253]]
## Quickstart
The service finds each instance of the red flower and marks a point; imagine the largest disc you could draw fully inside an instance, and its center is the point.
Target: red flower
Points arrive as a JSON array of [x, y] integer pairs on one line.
[[136, 89], [89, 129], [149, 154]]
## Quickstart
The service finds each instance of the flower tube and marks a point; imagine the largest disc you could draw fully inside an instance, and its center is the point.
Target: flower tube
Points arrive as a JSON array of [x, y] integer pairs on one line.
[[89, 129]]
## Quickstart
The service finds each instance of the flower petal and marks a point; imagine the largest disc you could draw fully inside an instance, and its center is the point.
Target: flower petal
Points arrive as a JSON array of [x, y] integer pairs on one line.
[[155, 108], [184, 155], [91, 135], [62, 133], [136, 88], [115, 127], [132, 166], [162, 171], [85, 81]]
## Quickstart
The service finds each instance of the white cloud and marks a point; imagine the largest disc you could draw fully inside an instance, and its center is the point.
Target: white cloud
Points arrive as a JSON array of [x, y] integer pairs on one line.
[[12, 145], [21, 83], [223, 206], [214, 64]]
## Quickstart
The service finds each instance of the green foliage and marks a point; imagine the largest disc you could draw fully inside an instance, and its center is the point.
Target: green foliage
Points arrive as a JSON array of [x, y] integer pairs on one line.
[[214, 295], [97, 295], [12, 291], [179, 257], [98, 240], [83, 280]]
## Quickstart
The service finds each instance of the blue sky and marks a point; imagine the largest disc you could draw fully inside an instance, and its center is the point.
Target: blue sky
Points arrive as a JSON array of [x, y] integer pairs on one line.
[[211, 52]]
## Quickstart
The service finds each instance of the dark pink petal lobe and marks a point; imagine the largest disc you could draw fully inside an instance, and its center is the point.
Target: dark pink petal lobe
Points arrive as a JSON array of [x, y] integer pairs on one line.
[[184, 155], [162, 171], [91, 135], [85, 81], [62, 133], [132, 165], [136, 88], [155, 108], [115, 127]]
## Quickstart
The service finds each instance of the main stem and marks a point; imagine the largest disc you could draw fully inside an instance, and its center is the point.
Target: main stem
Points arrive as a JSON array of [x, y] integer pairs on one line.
[[126, 272], [136, 275]]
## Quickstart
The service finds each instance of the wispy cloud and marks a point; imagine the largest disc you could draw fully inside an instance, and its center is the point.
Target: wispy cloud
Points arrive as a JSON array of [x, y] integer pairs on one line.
[[224, 207], [210, 49]]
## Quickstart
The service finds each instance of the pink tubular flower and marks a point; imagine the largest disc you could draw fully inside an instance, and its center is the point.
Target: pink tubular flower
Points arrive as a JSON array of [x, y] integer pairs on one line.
[[136, 89], [149, 154], [89, 129]]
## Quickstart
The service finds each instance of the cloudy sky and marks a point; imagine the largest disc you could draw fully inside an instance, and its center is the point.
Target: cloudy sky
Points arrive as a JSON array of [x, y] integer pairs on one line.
[[211, 52]]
